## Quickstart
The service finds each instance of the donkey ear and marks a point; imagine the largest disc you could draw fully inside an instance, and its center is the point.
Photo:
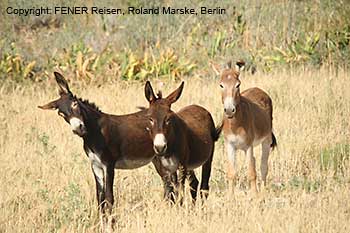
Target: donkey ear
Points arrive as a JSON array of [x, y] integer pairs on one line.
[[62, 83], [240, 65], [175, 95], [50, 106], [149, 92]]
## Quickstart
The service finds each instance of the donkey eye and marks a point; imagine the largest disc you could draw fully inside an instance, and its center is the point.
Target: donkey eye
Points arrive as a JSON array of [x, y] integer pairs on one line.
[[222, 86], [74, 104], [168, 122], [151, 120], [61, 114], [237, 85]]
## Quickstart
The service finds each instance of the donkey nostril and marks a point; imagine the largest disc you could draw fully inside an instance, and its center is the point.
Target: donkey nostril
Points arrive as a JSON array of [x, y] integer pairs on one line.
[[82, 128], [230, 110], [160, 149]]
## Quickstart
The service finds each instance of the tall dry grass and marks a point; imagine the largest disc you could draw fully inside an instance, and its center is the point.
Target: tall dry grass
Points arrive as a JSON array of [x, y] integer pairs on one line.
[[47, 185]]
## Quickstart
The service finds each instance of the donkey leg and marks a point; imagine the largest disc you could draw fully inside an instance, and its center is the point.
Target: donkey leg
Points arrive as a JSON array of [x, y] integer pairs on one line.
[[108, 221], [182, 179], [174, 184], [169, 180], [206, 170], [251, 169], [193, 184], [232, 165], [265, 152], [169, 187], [99, 179], [109, 179]]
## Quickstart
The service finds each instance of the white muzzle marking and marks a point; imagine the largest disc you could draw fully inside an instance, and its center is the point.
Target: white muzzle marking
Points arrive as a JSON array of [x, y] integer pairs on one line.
[[229, 105], [159, 142], [75, 123]]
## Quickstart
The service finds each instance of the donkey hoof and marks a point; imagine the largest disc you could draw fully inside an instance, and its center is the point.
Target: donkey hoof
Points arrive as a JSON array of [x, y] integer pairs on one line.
[[204, 194]]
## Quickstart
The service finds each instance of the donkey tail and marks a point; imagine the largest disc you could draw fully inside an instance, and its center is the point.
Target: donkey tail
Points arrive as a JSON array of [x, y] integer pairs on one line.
[[217, 131], [274, 141]]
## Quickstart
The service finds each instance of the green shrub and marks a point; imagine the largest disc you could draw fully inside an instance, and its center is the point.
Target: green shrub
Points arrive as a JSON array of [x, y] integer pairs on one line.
[[335, 158], [14, 67]]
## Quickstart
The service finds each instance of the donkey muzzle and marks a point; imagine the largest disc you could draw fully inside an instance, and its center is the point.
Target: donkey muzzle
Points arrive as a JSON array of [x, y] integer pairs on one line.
[[229, 107], [78, 126], [159, 144], [160, 150], [81, 131], [229, 112]]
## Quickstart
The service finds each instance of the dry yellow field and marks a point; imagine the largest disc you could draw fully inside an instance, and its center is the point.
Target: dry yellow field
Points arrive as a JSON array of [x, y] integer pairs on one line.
[[47, 184]]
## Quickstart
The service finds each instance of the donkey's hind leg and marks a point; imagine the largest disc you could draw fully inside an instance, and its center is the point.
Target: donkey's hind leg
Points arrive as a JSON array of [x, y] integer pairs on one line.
[[206, 170], [193, 184], [265, 152], [251, 169]]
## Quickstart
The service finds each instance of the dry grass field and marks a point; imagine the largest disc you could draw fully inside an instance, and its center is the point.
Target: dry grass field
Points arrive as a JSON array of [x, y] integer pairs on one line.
[[47, 184]]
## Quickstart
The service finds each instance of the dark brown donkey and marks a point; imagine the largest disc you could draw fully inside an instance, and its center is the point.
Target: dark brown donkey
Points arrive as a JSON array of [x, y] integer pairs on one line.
[[182, 141], [110, 141]]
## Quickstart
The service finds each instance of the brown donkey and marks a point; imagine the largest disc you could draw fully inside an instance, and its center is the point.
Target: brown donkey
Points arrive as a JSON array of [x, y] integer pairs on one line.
[[247, 122], [182, 141], [111, 142]]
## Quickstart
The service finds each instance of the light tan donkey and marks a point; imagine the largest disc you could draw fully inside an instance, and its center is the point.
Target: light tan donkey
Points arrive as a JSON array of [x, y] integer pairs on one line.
[[247, 122]]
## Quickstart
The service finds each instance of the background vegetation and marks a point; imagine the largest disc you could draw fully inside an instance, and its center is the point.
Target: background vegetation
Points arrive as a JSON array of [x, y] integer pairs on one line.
[[298, 51], [268, 35]]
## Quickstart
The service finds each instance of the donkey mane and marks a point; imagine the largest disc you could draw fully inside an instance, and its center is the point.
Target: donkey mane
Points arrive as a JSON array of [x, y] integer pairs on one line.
[[88, 104]]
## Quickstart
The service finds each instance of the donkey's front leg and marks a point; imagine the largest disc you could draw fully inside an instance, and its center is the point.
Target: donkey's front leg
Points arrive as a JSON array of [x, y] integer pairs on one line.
[[169, 180], [104, 176], [232, 164], [182, 179], [99, 179], [109, 178], [251, 169]]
